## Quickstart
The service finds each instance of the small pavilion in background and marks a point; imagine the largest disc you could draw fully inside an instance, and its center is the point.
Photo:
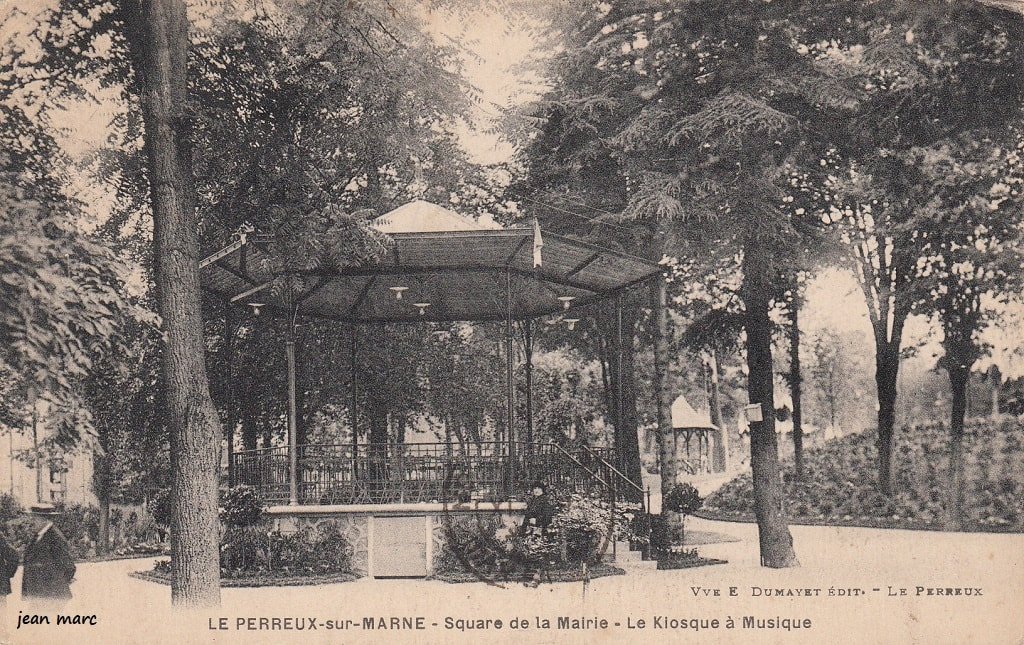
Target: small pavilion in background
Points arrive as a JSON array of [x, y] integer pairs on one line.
[[705, 445]]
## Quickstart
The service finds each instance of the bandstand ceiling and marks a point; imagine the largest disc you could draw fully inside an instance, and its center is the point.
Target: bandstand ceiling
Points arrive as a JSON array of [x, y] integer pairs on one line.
[[442, 258]]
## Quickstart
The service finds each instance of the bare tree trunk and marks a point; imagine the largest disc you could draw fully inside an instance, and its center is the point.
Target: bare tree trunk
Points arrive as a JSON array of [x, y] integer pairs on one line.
[[887, 364], [795, 382], [721, 454], [775, 540], [716, 396], [666, 454], [160, 46], [958, 377], [103, 545]]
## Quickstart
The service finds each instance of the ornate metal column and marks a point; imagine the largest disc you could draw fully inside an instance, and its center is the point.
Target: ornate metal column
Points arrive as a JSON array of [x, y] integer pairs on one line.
[[618, 378], [353, 413], [528, 345], [510, 379], [293, 431]]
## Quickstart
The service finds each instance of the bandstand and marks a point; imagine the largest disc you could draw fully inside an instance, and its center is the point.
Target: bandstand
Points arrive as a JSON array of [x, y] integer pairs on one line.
[[440, 267]]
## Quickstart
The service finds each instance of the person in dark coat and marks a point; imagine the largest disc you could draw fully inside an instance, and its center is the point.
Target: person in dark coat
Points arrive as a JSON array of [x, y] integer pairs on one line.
[[539, 510], [49, 567], [9, 560]]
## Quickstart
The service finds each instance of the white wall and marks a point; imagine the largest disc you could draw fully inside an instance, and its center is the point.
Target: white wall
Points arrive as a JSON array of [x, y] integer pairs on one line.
[[19, 478]]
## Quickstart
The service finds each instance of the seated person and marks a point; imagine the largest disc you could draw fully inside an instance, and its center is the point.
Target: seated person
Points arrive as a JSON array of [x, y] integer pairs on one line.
[[539, 510]]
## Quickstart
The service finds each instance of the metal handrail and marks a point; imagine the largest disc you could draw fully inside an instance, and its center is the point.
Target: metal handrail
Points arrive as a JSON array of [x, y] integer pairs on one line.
[[615, 470], [645, 494], [579, 463]]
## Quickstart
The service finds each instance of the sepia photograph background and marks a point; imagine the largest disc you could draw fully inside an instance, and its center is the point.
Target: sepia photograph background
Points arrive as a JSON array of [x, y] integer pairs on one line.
[[537, 321]]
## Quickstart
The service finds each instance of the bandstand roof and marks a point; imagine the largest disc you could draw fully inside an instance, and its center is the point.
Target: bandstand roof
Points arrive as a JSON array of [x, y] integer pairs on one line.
[[450, 261]]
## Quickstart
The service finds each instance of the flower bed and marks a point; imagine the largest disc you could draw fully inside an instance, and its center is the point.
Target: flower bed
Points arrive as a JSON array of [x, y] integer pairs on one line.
[[266, 579], [483, 548], [253, 554], [563, 573], [686, 559], [840, 484]]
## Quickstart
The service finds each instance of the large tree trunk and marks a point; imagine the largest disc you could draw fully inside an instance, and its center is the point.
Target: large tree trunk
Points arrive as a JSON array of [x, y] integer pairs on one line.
[[666, 455], [958, 377], [627, 445], [161, 45], [775, 540], [103, 544], [720, 457], [795, 382], [887, 365]]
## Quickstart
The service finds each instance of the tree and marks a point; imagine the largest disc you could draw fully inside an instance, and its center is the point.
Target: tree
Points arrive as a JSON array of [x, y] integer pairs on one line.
[[124, 396], [831, 372], [795, 379], [681, 119], [158, 37], [59, 308], [917, 73], [971, 230]]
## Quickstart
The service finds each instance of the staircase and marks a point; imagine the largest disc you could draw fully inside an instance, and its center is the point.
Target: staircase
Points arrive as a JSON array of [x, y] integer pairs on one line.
[[630, 560], [600, 472]]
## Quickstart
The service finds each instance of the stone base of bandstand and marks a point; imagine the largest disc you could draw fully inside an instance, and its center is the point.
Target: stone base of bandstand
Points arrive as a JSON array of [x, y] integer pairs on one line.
[[393, 540]]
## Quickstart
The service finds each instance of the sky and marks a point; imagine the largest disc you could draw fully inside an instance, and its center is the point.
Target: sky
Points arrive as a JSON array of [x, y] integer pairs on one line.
[[497, 51]]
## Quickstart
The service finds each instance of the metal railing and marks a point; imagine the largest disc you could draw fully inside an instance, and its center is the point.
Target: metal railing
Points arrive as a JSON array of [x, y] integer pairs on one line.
[[422, 472]]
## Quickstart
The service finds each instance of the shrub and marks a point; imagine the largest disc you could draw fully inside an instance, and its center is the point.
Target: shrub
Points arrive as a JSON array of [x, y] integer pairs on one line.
[[137, 530], [252, 550], [661, 534], [10, 507], [242, 506], [839, 484], [21, 530], [583, 522], [160, 507], [80, 524], [580, 525], [244, 549], [683, 499], [333, 551], [471, 541]]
